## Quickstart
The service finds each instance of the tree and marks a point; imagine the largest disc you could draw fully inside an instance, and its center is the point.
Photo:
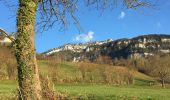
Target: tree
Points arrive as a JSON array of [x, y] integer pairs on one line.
[[52, 11], [104, 60], [28, 76], [160, 68]]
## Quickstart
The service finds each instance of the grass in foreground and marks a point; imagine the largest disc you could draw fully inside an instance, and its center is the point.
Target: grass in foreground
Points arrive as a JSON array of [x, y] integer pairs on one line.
[[8, 90], [96, 92], [105, 92]]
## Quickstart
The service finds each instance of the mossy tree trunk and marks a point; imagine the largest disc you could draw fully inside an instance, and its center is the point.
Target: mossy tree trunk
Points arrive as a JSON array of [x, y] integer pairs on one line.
[[28, 76]]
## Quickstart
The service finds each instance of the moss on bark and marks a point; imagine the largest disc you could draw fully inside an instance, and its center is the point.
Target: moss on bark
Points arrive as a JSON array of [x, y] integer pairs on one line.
[[28, 76]]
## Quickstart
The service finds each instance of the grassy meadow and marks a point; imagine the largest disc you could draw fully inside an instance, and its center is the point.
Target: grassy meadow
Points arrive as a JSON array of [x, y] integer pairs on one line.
[[66, 79], [106, 92], [95, 92]]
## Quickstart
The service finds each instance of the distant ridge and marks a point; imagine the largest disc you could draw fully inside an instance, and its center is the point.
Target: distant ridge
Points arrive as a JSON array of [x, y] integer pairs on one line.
[[140, 46]]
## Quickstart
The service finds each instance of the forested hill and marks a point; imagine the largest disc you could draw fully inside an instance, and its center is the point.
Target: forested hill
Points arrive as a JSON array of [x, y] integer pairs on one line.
[[141, 46]]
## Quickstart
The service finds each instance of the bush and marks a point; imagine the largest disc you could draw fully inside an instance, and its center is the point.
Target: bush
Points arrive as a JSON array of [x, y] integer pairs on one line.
[[93, 73], [7, 63]]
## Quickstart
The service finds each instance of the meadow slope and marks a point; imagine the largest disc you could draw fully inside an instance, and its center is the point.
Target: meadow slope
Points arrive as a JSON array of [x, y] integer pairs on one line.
[[85, 90]]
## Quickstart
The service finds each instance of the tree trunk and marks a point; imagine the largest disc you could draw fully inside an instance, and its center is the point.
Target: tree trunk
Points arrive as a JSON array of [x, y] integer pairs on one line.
[[163, 83], [28, 76]]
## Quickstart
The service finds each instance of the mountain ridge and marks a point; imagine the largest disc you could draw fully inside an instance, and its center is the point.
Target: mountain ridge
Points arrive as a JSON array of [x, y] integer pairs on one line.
[[140, 46]]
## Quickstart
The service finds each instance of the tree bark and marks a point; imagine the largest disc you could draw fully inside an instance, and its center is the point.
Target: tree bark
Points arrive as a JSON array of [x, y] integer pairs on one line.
[[163, 83], [28, 76]]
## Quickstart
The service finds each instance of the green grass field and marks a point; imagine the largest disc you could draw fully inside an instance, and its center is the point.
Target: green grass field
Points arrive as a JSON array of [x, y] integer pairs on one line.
[[105, 92], [96, 92], [7, 90]]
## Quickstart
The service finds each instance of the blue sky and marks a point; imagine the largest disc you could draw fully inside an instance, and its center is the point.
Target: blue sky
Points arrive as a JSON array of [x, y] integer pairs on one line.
[[112, 24]]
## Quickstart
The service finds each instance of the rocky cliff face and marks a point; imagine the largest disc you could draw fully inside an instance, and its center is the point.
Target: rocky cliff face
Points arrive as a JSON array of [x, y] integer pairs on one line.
[[142, 46]]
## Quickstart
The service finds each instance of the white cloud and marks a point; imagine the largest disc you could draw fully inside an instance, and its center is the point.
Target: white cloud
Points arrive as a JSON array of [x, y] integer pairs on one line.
[[122, 15], [84, 37]]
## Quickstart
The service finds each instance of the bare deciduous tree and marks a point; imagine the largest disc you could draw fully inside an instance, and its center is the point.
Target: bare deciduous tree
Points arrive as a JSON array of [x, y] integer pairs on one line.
[[51, 11], [160, 68]]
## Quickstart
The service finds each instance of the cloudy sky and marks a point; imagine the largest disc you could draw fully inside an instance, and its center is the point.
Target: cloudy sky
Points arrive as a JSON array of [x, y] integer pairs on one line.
[[111, 24]]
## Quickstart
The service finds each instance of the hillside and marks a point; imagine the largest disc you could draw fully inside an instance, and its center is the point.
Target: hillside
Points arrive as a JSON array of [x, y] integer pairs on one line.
[[68, 72], [141, 46], [84, 80], [67, 79]]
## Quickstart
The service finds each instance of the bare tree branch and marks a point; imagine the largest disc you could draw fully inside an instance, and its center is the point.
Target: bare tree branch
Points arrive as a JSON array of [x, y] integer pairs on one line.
[[62, 11]]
